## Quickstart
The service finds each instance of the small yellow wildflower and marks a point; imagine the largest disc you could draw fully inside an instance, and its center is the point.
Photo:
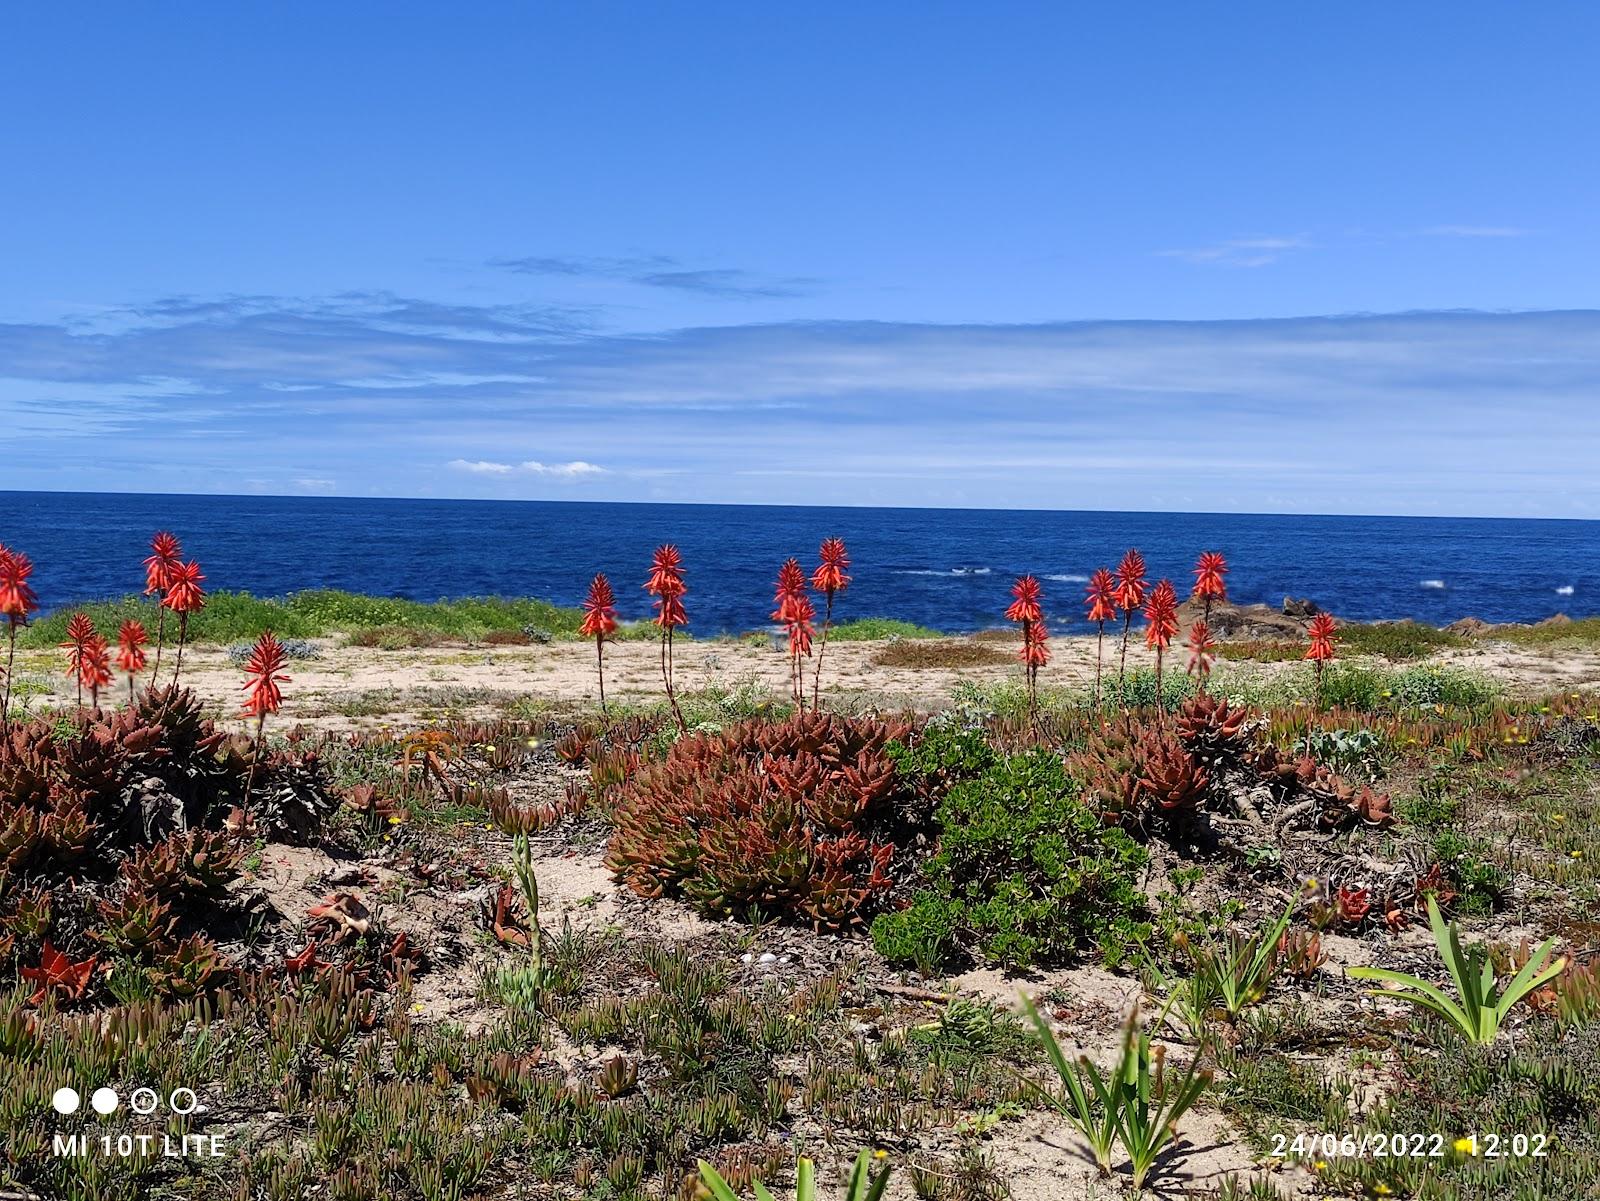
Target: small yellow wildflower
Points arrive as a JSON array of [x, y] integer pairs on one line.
[[1382, 1189], [1576, 854], [1466, 1146], [1558, 817], [1321, 1165]]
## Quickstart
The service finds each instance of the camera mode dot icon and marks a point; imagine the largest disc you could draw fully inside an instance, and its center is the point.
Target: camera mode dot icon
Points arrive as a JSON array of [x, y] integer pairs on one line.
[[104, 1101], [66, 1100]]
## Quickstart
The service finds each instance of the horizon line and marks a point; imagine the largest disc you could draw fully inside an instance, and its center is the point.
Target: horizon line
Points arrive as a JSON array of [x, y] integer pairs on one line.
[[710, 504]]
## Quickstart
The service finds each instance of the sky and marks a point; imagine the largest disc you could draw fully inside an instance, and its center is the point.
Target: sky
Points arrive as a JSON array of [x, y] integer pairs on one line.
[[1254, 257]]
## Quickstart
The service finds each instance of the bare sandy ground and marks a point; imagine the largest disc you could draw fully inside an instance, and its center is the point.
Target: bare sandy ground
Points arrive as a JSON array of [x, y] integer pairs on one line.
[[367, 688]]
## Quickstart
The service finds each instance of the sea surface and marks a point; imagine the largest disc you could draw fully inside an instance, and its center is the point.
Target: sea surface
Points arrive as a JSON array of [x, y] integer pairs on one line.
[[947, 568]]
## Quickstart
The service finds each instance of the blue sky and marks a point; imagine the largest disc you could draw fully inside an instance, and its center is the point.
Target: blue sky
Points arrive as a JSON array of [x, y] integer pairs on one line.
[[1252, 257]]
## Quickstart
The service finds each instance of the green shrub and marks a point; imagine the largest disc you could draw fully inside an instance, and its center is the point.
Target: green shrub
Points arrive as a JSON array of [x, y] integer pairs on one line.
[[1137, 690], [1024, 873], [1397, 640]]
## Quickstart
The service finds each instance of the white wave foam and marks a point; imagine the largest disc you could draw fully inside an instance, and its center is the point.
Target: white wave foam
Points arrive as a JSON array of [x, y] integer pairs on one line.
[[954, 571], [1430, 583], [1564, 590], [1069, 579]]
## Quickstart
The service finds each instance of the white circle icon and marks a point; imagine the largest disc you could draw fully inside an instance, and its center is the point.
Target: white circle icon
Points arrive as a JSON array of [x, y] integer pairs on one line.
[[66, 1100], [144, 1101], [104, 1101], [193, 1103]]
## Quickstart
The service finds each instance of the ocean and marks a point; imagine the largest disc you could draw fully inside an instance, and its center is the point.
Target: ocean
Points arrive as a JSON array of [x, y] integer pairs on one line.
[[947, 568]]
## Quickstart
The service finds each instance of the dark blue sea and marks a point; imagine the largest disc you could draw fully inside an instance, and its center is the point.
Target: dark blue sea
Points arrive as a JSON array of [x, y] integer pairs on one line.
[[947, 568]]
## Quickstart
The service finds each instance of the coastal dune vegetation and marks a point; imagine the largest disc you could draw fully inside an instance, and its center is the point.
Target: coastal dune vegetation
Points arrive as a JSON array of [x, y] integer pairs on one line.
[[1314, 929]]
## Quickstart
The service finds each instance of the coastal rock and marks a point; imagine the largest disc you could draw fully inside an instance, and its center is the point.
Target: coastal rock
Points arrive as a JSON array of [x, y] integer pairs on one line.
[[1301, 607], [1469, 627], [1241, 621], [1560, 619]]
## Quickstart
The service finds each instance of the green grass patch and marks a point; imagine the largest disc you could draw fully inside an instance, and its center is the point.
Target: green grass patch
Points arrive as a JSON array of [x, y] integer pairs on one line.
[[238, 617], [1583, 632], [872, 629], [1399, 641]]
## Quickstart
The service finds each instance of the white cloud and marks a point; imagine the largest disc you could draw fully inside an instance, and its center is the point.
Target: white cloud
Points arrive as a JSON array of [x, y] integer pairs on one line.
[[1475, 231], [570, 470], [1239, 252]]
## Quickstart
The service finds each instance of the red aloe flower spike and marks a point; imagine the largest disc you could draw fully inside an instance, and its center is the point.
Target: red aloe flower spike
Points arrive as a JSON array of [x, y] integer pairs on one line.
[[262, 675], [17, 602], [1102, 597], [165, 556], [830, 578], [56, 971], [1035, 653], [184, 596], [1324, 633], [795, 611], [599, 623], [79, 631], [666, 583], [1208, 581], [94, 671], [1202, 651], [1161, 616], [1129, 596], [131, 641]]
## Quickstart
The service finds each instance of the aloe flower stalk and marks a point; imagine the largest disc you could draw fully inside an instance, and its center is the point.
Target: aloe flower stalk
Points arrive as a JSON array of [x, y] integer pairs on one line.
[[1102, 599], [1202, 652], [1324, 633], [165, 557], [1129, 597], [1025, 610], [17, 603], [79, 645], [1209, 584], [667, 586], [1161, 617], [184, 596], [131, 641], [796, 612], [262, 675], [829, 579], [599, 623]]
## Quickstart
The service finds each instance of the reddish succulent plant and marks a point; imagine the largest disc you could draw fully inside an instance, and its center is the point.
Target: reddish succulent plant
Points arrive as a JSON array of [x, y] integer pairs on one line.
[[57, 973], [1353, 904], [599, 623]]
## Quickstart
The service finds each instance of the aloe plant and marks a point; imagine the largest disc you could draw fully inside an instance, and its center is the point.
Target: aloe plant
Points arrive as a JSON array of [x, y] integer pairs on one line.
[[1482, 1005], [1135, 1104], [862, 1186]]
